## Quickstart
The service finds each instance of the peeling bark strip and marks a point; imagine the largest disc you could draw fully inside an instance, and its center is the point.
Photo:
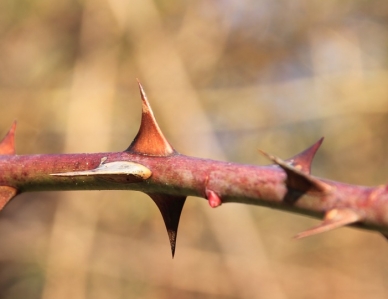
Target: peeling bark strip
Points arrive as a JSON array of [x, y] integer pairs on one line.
[[151, 165]]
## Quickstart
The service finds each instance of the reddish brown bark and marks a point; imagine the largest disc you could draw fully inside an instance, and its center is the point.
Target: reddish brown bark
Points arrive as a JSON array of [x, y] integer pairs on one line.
[[152, 166]]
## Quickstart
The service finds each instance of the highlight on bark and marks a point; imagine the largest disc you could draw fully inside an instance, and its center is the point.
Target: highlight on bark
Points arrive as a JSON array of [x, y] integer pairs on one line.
[[119, 171]]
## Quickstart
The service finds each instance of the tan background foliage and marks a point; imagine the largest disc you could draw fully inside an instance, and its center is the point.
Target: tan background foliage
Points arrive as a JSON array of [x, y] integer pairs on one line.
[[224, 78]]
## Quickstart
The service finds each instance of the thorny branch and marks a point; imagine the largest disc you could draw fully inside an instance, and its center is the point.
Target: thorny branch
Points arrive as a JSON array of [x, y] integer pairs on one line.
[[151, 165]]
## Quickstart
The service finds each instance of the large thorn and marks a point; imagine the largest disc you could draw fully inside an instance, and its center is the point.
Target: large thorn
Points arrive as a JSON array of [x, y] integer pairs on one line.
[[303, 160], [333, 219], [150, 139], [297, 179], [118, 171], [7, 145], [170, 207], [6, 194]]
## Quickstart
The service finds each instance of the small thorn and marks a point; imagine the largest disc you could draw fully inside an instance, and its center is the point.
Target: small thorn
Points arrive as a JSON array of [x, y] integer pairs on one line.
[[304, 159], [297, 179], [118, 171], [213, 198], [7, 145], [6, 194], [150, 139], [170, 207], [333, 219]]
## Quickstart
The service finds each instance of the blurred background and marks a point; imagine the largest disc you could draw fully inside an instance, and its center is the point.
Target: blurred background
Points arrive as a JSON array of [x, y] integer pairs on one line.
[[224, 78]]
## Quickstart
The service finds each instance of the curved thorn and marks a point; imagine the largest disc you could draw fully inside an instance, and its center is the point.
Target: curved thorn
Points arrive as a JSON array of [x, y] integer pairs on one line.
[[150, 139], [297, 179], [304, 159], [6, 194], [7, 145], [170, 207], [333, 219]]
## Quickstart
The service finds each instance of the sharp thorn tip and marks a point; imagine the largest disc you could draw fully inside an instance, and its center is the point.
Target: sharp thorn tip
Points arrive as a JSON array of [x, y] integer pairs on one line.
[[304, 159], [170, 207], [149, 139]]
